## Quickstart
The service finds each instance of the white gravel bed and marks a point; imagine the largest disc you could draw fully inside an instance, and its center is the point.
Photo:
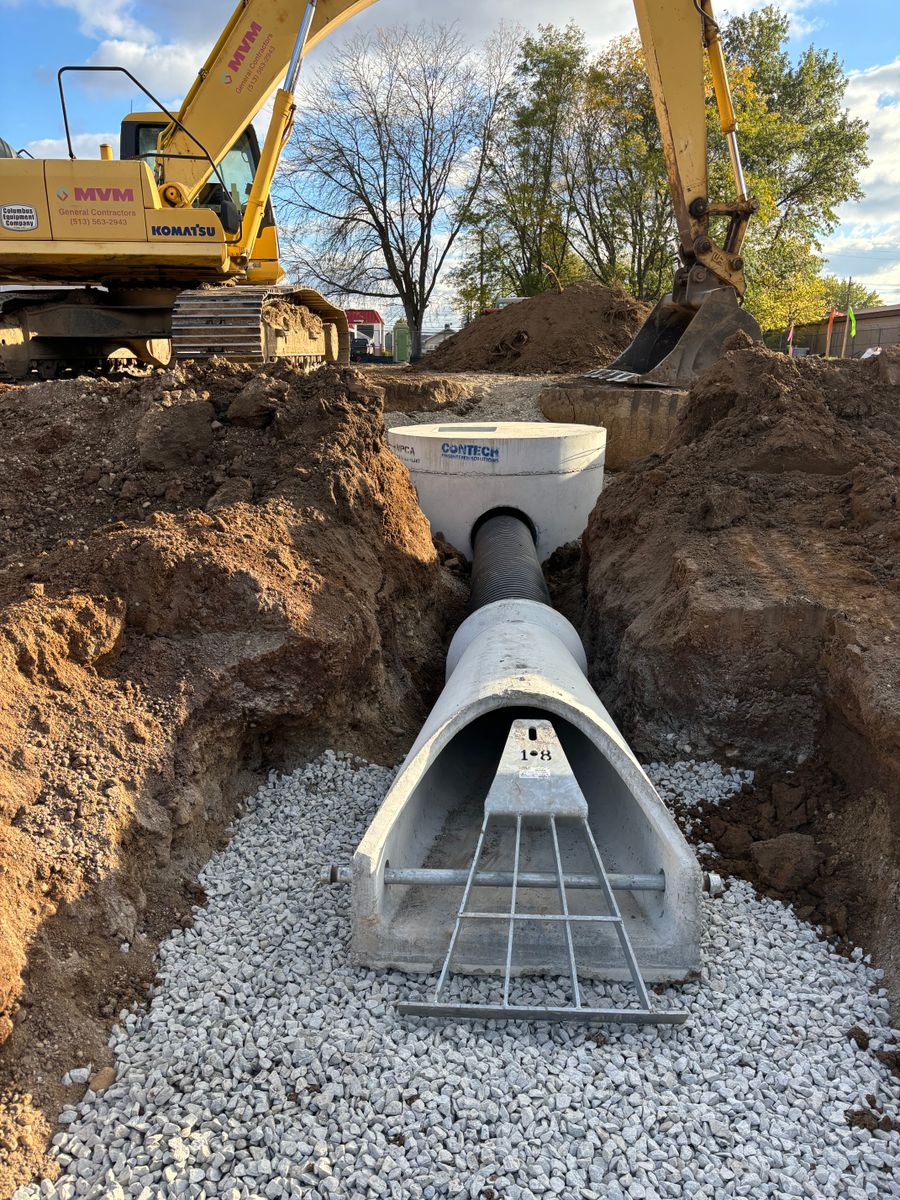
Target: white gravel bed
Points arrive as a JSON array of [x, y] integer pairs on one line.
[[267, 1065], [693, 784]]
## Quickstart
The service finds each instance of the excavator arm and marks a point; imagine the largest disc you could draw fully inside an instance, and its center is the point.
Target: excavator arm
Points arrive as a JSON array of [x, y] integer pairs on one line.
[[674, 35], [687, 328], [260, 42]]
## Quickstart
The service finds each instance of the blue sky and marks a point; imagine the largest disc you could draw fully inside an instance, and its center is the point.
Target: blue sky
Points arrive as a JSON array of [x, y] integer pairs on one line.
[[164, 41]]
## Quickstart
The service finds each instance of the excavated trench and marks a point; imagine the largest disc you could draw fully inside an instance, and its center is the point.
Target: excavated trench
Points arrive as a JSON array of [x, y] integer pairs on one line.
[[208, 576], [742, 603]]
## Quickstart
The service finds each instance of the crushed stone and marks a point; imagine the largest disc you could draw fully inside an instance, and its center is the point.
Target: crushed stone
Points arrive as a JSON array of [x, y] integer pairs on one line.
[[268, 1066]]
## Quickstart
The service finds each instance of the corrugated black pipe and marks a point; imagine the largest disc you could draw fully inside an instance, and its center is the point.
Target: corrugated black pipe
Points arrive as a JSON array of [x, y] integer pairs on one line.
[[505, 564]]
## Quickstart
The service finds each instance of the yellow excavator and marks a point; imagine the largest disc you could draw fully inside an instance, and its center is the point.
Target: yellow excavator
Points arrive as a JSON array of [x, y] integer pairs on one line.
[[686, 330], [172, 249]]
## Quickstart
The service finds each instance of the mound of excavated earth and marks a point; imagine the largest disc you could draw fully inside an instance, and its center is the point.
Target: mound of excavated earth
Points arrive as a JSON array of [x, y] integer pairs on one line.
[[202, 571], [742, 600], [584, 326]]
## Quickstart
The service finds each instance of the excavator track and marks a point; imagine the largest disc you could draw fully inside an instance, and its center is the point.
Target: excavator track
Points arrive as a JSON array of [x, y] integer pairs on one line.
[[231, 322], [15, 360], [48, 332]]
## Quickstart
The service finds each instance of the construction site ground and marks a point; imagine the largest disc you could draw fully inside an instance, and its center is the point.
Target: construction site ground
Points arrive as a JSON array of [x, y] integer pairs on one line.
[[223, 620]]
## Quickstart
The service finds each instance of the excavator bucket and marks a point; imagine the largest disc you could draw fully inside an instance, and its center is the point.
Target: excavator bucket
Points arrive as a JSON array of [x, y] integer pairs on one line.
[[677, 342]]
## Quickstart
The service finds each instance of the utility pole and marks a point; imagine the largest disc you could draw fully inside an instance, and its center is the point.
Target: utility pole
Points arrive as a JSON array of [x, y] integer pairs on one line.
[[846, 318], [481, 300]]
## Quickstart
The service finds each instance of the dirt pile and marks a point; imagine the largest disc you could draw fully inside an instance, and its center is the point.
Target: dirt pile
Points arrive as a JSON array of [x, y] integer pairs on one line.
[[584, 326], [202, 571], [742, 601], [292, 317], [407, 390]]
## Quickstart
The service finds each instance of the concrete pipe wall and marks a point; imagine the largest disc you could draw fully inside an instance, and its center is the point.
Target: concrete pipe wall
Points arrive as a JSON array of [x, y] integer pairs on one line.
[[518, 658]]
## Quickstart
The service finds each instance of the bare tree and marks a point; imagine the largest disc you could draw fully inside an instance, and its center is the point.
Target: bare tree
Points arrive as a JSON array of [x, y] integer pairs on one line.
[[386, 159]]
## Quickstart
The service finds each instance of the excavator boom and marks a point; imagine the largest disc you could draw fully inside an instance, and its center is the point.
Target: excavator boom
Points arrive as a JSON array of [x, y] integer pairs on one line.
[[241, 73], [685, 331]]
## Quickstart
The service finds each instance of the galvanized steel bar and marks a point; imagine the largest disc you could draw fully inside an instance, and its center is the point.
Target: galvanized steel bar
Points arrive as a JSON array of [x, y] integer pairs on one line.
[[462, 910], [512, 913], [564, 905], [624, 940], [586, 918], [521, 1012], [452, 877]]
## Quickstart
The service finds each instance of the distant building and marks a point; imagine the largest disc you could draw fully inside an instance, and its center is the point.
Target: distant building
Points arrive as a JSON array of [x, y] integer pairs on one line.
[[874, 327], [367, 323], [431, 341]]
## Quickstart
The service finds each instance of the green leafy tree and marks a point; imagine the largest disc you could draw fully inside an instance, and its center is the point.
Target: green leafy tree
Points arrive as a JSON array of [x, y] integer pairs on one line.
[[480, 277], [835, 295], [803, 155], [614, 175], [784, 284], [812, 153], [523, 220], [578, 166]]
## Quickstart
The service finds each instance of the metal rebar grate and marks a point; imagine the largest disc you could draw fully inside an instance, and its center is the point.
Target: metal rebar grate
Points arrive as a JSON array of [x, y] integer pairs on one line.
[[534, 784]]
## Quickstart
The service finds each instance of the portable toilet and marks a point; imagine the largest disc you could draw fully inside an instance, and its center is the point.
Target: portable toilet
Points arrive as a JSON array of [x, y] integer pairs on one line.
[[401, 342]]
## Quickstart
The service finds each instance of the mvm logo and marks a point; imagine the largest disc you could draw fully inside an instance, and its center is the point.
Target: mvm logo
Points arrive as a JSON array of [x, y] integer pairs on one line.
[[116, 195], [243, 48]]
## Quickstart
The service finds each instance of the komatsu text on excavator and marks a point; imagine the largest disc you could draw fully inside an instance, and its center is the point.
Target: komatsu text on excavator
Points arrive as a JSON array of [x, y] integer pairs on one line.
[[172, 250]]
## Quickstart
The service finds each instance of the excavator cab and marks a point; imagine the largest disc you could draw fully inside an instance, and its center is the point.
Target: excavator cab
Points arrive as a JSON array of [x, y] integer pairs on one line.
[[225, 194]]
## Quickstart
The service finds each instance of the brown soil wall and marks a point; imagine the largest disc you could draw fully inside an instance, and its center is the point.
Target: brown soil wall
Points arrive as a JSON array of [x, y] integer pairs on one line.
[[743, 602], [202, 573]]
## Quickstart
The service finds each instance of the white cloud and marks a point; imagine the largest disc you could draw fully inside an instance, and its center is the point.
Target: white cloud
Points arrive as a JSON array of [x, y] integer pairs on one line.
[[164, 42], [867, 245], [111, 18], [803, 22], [166, 69], [85, 145], [600, 21]]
